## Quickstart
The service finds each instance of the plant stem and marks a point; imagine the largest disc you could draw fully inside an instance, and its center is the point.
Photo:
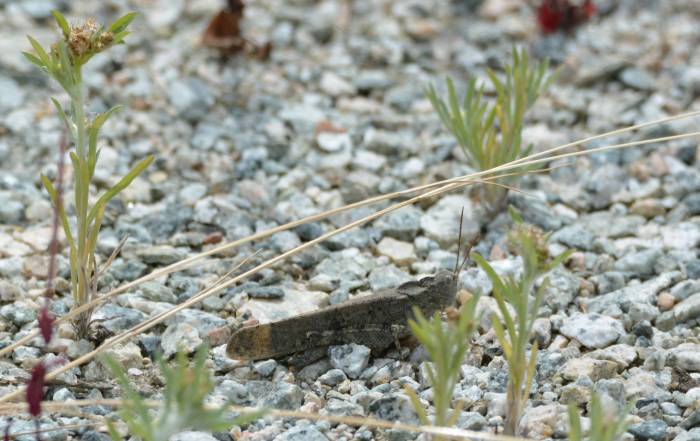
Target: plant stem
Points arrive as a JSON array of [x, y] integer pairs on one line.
[[82, 193]]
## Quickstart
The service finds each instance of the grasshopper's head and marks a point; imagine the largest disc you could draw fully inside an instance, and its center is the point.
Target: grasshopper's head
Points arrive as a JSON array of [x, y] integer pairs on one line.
[[445, 285], [432, 294]]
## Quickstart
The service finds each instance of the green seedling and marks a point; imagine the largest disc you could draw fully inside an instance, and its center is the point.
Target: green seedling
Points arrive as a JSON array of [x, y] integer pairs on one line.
[[603, 427], [490, 132], [63, 61], [514, 334], [446, 344], [183, 407]]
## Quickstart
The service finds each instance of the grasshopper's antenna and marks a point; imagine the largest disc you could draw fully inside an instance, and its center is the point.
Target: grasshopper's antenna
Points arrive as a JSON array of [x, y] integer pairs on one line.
[[459, 243], [468, 250]]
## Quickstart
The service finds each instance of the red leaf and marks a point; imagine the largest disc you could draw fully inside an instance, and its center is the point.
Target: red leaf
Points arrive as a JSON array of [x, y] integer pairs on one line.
[[35, 389], [556, 15], [46, 324]]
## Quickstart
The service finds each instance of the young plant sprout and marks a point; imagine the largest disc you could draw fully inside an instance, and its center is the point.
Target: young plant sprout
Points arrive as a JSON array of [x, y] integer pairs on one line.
[[183, 406], [515, 334], [63, 61], [490, 132]]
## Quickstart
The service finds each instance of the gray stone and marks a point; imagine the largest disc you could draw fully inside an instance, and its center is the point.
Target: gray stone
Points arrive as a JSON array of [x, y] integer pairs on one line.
[[275, 395], [387, 277], [11, 94], [202, 321], [332, 378], [623, 355], [643, 293], [351, 359], [192, 193], [372, 80], [539, 422], [639, 79], [17, 314], [688, 309], [161, 255], [264, 292], [28, 427], [593, 330], [193, 436], [116, 318], [691, 435], [685, 356], [561, 290], [302, 432], [649, 430], [235, 392], [685, 289], [575, 236], [265, 368], [608, 281], [334, 85], [470, 421], [339, 407], [393, 407], [180, 337], [640, 263], [191, 98], [333, 142], [383, 142], [591, 368], [158, 292], [313, 371], [10, 209], [402, 224], [441, 221], [401, 253]]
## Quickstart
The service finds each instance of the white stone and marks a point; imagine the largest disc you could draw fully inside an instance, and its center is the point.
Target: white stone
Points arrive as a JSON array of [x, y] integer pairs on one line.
[[334, 85], [593, 330], [401, 253]]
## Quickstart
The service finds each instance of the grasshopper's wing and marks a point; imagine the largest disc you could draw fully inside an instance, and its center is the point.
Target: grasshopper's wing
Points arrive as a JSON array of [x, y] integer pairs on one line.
[[343, 323]]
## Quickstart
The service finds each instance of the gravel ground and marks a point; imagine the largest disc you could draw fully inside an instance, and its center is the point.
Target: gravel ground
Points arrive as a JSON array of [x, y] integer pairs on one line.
[[335, 115]]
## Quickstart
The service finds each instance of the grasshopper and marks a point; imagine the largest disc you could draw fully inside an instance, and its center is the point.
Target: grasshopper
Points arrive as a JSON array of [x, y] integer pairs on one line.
[[376, 321]]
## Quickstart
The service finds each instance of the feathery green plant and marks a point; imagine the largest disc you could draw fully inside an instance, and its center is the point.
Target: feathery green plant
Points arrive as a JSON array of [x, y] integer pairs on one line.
[[490, 133], [531, 244], [183, 408], [603, 427], [446, 344], [63, 61]]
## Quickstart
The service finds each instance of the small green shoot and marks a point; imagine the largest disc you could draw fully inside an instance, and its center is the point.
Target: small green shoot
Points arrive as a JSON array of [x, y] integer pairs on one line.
[[446, 344], [490, 133], [515, 335], [183, 408], [63, 61], [603, 427]]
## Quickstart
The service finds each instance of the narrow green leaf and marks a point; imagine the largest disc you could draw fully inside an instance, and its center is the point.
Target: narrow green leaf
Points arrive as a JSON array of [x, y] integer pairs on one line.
[[119, 186], [93, 132], [41, 53], [34, 60], [417, 406], [574, 424], [122, 23], [62, 23]]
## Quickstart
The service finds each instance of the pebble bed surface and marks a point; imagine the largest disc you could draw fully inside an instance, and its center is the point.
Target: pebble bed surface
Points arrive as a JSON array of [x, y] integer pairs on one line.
[[335, 115]]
